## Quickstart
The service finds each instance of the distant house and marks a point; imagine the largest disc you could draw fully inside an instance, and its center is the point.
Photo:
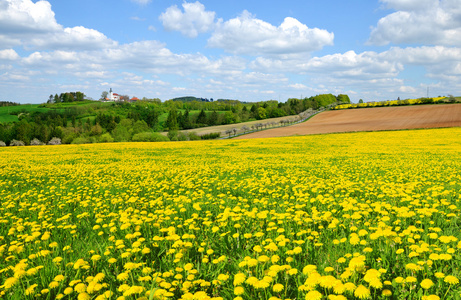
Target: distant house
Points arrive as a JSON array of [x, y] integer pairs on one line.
[[134, 99]]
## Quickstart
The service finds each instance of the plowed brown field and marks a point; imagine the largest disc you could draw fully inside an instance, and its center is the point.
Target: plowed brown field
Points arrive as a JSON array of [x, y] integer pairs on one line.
[[371, 119]]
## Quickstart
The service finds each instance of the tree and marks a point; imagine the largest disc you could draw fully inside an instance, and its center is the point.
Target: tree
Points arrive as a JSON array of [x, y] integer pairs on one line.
[[201, 118], [36, 142], [55, 141], [186, 123], [16, 143], [342, 98], [104, 95], [360, 101], [79, 96], [172, 120], [121, 133], [261, 113], [213, 119]]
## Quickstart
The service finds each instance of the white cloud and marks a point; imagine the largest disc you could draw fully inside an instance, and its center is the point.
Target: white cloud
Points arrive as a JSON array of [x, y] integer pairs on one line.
[[24, 15], [33, 26], [298, 86], [8, 54], [430, 22], [145, 56], [249, 35], [191, 22], [365, 65], [409, 4], [73, 38], [136, 18], [142, 2]]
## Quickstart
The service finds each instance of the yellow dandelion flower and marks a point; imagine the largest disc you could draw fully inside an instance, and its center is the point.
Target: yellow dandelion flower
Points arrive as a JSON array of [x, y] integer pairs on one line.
[[426, 284], [68, 291], [452, 280], [278, 287], [386, 293], [362, 292], [238, 290], [314, 295], [122, 276]]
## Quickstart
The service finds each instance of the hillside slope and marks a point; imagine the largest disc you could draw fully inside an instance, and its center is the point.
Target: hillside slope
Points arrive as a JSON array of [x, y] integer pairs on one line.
[[371, 119]]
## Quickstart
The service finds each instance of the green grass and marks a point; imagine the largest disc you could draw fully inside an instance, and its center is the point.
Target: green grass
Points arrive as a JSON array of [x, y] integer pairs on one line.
[[5, 111]]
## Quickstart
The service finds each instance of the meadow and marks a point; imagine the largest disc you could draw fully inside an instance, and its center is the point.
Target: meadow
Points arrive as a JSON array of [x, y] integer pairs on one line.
[[372, 215]]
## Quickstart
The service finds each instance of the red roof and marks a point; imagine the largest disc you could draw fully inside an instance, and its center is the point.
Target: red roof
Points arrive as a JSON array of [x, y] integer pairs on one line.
[[134, 98], [115, 94]]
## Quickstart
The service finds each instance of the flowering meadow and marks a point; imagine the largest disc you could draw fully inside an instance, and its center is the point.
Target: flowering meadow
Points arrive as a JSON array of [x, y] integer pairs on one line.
[[342, 216]]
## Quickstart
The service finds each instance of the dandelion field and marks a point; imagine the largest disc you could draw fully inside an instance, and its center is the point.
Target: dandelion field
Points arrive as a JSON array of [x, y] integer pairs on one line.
[[343, 216]]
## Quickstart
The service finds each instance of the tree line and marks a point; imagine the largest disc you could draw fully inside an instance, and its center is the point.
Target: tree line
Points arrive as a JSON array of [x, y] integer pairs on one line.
[[67, 97]]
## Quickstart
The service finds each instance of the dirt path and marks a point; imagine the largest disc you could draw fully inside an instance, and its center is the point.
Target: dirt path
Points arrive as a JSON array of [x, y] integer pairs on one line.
[[371, 119]]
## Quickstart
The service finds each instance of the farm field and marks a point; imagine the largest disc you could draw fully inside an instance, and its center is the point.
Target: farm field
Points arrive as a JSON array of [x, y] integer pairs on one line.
[[369, 215], [371, 119]]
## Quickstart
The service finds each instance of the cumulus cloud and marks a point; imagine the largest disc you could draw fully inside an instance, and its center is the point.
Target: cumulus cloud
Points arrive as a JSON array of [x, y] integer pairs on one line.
[[249, 35], [194, 20], [33, 26], [8, 54], [430, 22]]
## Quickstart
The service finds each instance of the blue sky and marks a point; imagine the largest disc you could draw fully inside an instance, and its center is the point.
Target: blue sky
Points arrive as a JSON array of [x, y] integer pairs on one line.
[[246, 50]]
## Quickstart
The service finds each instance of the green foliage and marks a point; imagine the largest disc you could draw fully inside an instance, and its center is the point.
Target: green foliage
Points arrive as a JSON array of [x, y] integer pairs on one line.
[[81, 140], [149, 137], [261, 113], [213, 118], [211, 136], [325, 99], [192, 136], [172, 120], [140, 126], [121, 134], [201, 118], [173, 135], [106, 138], [343, 98], [66, 97]]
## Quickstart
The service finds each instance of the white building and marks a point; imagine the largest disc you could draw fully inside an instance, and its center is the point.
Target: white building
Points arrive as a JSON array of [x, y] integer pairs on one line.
[[113, 96]]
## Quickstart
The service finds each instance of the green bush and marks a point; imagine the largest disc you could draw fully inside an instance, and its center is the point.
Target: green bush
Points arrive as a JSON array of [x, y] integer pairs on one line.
[[211, 136], [193, 136], [81, 140], [106, 138], [173, 135], [149, 137], [182, 137]]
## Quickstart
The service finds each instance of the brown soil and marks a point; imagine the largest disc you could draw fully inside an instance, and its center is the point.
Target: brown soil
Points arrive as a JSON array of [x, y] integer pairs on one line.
[[371, 119]]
